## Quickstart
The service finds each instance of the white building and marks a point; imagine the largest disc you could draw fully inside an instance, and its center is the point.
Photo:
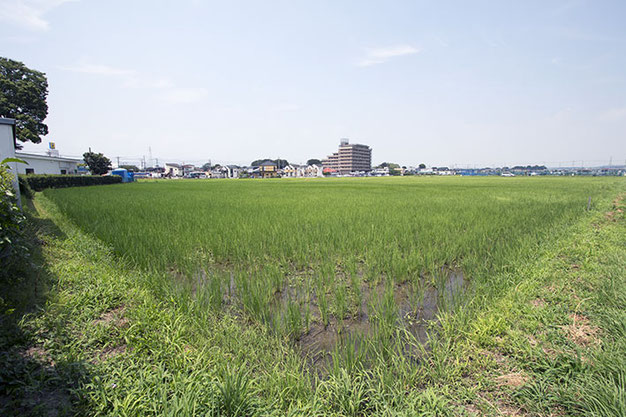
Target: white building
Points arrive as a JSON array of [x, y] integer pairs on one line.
[[314, 171], [233, 171], [173, 170], [50, 164]]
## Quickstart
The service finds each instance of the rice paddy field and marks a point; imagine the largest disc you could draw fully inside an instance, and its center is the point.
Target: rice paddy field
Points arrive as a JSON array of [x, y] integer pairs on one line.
[[376, 296]]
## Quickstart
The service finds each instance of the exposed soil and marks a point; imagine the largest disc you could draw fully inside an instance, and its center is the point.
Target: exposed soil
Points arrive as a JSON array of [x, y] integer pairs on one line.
[[581, 332], [115, 317], [512, 380]]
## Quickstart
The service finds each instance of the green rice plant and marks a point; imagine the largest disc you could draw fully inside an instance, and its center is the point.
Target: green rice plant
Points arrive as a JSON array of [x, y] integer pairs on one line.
[[322, 304], [293, 319], [210, 291], [349, 354], [340, 301], [357, 292], [348, 394], [234, 397]]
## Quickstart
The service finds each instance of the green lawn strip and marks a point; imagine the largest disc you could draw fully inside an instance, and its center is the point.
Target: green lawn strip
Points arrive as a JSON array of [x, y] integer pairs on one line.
[[142, 355], [555, 344]]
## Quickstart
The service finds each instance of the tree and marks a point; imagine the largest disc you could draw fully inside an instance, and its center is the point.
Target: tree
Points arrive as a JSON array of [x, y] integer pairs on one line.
[[280, 163], [133, 168], [23, 93], [98, 164], [314, 162], [206, 167], [422, 166]]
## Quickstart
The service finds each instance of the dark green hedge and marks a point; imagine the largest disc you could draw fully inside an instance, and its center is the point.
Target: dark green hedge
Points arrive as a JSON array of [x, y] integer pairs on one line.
[[41, 182], [25, 189]]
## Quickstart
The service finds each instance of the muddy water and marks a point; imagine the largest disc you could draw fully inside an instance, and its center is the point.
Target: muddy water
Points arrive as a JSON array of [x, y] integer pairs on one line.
[[414, 308], [416, 314]]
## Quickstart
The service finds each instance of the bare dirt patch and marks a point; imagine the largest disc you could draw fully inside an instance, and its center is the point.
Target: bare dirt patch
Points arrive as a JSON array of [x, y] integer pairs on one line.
[[538, 302], [111, 351], [581, 331], [114, 317], [512, 380], [38, 354]]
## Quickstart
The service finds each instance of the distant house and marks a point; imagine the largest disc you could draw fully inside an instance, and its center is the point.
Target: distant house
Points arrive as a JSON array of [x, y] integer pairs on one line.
[[380, 172], [232, 171], [173, 170], [219, 172], [268, 169], [188, 169], [313, 171], [290, 171]]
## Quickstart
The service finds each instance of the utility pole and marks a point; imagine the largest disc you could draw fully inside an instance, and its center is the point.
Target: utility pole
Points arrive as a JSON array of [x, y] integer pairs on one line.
[[117, 157]]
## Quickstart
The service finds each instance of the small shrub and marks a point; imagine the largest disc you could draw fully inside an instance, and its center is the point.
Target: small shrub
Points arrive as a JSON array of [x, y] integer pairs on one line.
[[41, 182], [12, 243]]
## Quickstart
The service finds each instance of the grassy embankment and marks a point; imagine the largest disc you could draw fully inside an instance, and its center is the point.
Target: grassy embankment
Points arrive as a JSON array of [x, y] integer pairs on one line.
[[528, 337]]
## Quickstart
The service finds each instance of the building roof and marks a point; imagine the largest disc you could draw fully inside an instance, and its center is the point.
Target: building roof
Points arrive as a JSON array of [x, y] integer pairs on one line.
[[172, 164], [268, 163], [25, 155]]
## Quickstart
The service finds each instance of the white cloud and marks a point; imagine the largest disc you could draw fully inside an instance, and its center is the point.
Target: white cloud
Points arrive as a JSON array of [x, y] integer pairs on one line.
[[29, 14], [168, 91], [380, 55]]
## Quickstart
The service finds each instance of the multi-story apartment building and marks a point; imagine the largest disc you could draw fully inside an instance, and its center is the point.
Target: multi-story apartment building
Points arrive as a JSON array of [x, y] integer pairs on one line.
[[351, 157], [331, 162]]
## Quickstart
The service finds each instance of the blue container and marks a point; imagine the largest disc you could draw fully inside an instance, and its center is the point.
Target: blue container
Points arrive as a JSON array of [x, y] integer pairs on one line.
[[126, 176]]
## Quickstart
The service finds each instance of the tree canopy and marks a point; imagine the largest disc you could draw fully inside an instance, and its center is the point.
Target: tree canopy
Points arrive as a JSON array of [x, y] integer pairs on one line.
[[314, 162], [23, 93], [280, 163], [133, 168], [98, 163]]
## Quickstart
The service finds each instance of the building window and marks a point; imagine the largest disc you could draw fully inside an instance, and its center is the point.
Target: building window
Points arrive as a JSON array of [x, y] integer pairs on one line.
[[30, 171], [63, 171]]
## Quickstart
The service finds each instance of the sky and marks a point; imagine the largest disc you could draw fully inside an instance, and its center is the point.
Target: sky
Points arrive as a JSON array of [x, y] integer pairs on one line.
[[481, 83]]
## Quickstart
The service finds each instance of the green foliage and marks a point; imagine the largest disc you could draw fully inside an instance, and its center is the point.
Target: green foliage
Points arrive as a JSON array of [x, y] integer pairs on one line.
[[23, 93], [280, 163], [314, 162], [234, 399], [18, 160], [42, 182], [25, 189], [131, 168], [98, 163], [13, 248]]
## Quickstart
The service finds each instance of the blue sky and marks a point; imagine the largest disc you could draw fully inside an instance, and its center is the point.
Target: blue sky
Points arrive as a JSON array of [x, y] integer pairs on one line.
[[444, 83]]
